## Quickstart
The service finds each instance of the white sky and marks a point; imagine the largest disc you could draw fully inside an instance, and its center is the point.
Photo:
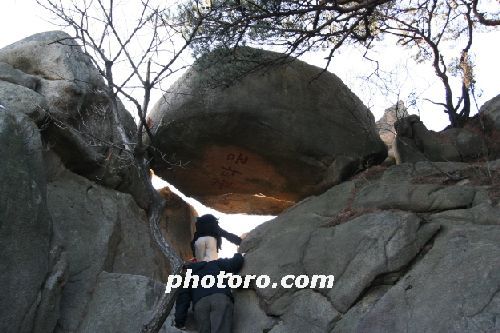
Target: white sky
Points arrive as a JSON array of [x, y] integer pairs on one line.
[[234, 223], [21, 18]]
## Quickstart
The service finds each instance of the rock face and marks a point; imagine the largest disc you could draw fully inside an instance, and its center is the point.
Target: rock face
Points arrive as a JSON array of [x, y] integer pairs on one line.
[[491, 110], [75, 255], [56, 84], [101, 230], [489, 116], [110, 312], [407, 246], [264, 142], [414, 142], [25, 223], [385, 126], [174, 226], [91, 230], [448, 274]]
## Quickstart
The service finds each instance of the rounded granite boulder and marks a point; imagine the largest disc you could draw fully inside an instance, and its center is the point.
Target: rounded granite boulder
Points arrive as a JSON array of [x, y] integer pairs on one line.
[[256, 139]]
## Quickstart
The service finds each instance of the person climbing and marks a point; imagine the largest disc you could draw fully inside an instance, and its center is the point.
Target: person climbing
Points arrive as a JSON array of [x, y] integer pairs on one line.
[[213, 306], [207, 239]]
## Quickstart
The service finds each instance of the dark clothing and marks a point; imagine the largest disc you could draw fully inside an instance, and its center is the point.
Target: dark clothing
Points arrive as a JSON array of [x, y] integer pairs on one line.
[[214, 314], [194, 295], [182, 304], [212, 228], [213, 268]]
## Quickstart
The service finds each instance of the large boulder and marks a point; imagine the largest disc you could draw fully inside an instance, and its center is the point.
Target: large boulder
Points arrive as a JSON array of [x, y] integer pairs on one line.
[[260, 144], [489, 122], [413, 247], [50, 78]]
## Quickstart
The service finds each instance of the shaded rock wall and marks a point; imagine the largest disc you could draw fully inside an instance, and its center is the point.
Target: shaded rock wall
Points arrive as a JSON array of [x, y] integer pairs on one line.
[[178, 224], [491, 109], [59, 232], [25, 223], [101, 230], [411, 249]]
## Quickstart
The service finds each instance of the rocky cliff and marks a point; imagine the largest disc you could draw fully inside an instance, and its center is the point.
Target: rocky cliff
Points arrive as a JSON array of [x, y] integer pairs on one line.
[[413, 247], [75, 248]]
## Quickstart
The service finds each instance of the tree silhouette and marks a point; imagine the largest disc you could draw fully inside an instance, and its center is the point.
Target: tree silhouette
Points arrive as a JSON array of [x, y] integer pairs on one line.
[[296, 27]]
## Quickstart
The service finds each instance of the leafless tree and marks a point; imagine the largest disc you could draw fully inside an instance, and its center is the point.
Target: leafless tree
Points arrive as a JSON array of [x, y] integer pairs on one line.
[[425, 25], [294, 26], [297, 27]]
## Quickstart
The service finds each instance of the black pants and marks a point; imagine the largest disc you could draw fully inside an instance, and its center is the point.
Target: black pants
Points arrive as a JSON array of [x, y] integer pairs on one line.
[[214, 314]]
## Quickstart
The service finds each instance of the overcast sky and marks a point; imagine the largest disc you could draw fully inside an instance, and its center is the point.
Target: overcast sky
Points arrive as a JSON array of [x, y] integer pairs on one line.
[[21, 18]]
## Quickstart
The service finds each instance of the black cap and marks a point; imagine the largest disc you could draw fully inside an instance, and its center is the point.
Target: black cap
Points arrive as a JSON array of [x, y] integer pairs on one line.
[[207, 218]]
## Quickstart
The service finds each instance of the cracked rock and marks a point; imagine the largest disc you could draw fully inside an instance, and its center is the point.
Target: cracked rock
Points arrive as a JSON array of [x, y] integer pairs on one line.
[[454, 288], [100, 229], [359, 250], [25, 223], [121, 303]]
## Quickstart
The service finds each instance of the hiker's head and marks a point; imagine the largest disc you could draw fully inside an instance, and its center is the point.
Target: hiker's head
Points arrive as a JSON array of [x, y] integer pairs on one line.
[[207, 218]]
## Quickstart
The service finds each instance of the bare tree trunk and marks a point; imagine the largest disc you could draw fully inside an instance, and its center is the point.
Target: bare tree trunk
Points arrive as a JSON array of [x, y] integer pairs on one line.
[[155, 212]]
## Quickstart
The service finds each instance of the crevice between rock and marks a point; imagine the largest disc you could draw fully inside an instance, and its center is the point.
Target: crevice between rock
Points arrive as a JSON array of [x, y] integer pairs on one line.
[[392, 278]]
